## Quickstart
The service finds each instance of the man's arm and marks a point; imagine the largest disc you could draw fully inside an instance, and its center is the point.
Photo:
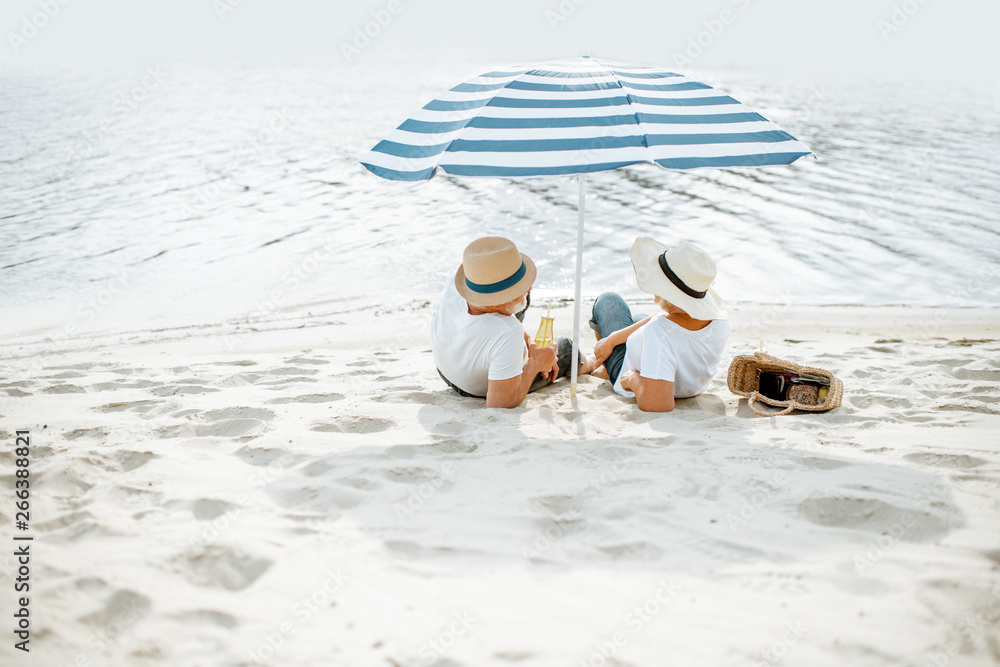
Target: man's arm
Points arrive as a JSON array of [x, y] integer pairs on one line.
[[510, 393], [650, 395], [552, 372]]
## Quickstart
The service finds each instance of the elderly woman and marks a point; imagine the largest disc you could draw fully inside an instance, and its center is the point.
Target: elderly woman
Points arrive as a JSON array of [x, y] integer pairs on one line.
[[674, 353]]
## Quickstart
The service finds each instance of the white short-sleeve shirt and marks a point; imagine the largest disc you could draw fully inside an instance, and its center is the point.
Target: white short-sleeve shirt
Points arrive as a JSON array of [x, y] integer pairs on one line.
[[470, 350], [664, 350]]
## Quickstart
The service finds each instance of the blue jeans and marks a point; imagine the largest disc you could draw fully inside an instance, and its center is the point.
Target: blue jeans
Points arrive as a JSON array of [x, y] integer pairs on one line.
[[611, 313]]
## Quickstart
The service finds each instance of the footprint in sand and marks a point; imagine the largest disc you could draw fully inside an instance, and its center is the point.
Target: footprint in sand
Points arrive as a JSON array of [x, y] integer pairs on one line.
[[118, 460], [409, 549], [194, 380], [969, 405], [876, 516], [64, 478], [821, 463], [239, 380], [865, 401], [132, 406], [415, 475], [306, 360], [173, 390], [111, 610], [558, 505], [222, 423], [450, 429], [114, 386], [233, 428], [203, 509], [633, 551], [223, 566], [290, 370], [130, 460], [206, 618], [279, 384], [86, 366], [409, 397], [359, 424], [446, 446], [264, 457], [959, 461], [307, 398], [228, 428], [20, 383], [318, 468], [85, 433], [65, 375], [361, 483], [323, 496], [402, 387], [973, 374], [554, 528], [262, 414], [92, 586], [69, 525], [38, 452], [514, 656]]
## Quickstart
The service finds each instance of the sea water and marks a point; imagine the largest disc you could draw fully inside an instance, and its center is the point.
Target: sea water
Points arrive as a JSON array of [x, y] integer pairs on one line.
[[167, 194]]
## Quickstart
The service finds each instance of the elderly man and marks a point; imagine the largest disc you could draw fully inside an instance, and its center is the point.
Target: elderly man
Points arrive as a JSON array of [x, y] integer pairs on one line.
[[480, 346]]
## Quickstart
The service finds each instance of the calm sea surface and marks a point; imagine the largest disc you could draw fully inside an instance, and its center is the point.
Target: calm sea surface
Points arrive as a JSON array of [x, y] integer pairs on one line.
[[168, 194]]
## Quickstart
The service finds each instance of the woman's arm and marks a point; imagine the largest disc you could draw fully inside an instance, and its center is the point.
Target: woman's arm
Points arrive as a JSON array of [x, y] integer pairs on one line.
[[605, 346], [650, 395]]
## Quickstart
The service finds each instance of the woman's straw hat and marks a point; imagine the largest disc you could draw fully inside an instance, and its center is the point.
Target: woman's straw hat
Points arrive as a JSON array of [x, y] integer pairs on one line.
[[682, 275], [493, 272]]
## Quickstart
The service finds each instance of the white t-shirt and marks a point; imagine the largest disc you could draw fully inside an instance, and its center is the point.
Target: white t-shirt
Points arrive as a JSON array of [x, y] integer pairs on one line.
[[664, 350], [471, 350]]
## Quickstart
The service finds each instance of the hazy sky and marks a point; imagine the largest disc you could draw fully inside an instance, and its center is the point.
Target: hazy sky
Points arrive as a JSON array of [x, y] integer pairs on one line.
[[880, 38]]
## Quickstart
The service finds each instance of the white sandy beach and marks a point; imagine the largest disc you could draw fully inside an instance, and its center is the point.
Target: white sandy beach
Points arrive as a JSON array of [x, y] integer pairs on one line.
[[312, 494], [216, 300]]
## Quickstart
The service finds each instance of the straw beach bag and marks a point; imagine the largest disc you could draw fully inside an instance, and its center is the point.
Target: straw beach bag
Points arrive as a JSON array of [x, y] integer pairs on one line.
[[744, 380]]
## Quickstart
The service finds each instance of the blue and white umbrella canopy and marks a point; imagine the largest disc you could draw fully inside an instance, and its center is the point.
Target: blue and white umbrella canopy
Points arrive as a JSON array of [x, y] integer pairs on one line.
[[577, 116]]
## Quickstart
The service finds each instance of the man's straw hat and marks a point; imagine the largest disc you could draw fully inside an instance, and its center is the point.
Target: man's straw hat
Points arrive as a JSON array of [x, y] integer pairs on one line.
[[683, 275], [493, 272]]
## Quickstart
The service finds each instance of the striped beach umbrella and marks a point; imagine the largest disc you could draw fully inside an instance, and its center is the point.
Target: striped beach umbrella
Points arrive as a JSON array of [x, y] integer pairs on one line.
[[578, 116]]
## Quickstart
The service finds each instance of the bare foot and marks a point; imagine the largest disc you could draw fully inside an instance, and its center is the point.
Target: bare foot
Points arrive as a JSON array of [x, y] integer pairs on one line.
[[600, 373], [588, 366]]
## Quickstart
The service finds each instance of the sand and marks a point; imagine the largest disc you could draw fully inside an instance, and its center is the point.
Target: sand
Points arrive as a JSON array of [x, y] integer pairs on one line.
[[308, 492]]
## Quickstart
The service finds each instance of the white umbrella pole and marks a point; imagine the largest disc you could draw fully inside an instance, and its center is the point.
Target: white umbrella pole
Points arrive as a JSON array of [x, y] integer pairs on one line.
[[576, 298]]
